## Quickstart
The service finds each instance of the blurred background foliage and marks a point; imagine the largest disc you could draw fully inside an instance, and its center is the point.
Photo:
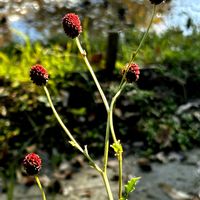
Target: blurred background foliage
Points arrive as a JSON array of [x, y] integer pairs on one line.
[[169, 79], [160, 112]]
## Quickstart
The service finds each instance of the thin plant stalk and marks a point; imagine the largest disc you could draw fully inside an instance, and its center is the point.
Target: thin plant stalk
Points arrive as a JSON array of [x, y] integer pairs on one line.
[[119, 154], [40, 187], [145, 35], [11, 183], [85, 152], [134, 54], [106, 145], [83, 53], [111, 112], [109, 120], [120, 162], [107, 185], [75, 143]]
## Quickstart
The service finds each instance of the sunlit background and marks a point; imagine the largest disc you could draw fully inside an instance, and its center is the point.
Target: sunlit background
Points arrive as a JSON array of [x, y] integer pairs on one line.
[[39, 19]]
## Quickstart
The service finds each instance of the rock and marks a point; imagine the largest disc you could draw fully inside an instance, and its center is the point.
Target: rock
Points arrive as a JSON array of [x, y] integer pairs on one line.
[[175, 194], [64, 171], [113, 164], [160, 157], [67, 190], [144, 164], [78, 161], [55, 187]]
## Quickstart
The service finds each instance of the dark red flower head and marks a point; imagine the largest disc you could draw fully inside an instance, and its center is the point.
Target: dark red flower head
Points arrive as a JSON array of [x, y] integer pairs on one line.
[[32, 164], [39, 75], [156, 2], [71, 25], [132, 72]]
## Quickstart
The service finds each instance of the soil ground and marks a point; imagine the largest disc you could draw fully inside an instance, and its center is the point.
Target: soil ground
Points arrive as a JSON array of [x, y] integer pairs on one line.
[[172, 177]]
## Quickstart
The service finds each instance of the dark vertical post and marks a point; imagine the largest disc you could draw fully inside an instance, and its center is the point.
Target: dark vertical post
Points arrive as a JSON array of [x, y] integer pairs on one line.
[[111, 54]]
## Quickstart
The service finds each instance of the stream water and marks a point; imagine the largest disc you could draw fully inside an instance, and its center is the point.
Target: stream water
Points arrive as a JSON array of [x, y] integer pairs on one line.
[[40, 19]]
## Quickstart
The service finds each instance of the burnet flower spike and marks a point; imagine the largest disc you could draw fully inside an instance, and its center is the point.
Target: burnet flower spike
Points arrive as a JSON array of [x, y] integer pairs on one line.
[[156, 2], [32, 164], [71, 25], [39, 75], [132, 72]]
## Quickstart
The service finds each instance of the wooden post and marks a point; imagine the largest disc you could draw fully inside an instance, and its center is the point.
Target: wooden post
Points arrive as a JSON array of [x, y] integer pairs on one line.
[[111, 54]]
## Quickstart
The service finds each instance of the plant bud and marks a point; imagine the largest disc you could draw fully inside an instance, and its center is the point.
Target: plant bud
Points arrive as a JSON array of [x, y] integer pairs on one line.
[[132, 72], [71, 25], [39, 75], [32, 164]]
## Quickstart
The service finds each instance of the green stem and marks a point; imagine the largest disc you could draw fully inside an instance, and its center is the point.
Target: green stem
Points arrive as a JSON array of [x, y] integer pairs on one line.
[[106, 148], [106, 145], [75, 143], [119, 154], [111, 112], [107, 185], [85, 152], [120, 161], [11, 183], [134, 54], [61, 122], [83, 53], [103, 174], [40, 187], [144, 36], [93, 164]]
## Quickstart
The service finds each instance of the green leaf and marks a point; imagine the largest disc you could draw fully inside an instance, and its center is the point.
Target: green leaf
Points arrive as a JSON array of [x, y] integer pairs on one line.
[[117, 147], [130, 187], [78, 111]]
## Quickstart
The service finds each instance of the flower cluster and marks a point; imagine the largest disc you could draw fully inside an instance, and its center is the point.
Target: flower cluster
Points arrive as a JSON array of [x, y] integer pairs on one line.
[[71, 25], [132, 72], [39, 75], [32, 164]]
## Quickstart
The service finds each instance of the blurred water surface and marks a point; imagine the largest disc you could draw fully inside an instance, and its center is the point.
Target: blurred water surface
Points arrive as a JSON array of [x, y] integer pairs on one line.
[[41, 19]]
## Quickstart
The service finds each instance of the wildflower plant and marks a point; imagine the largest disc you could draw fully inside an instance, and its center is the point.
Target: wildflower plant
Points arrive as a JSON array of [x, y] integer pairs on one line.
[[130, 73]]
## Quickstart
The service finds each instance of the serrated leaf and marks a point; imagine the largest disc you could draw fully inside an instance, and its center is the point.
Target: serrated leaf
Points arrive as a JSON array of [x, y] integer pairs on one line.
[[130, 186]]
